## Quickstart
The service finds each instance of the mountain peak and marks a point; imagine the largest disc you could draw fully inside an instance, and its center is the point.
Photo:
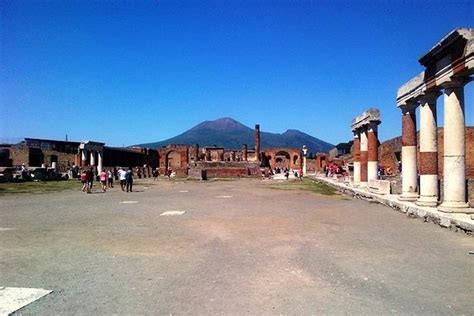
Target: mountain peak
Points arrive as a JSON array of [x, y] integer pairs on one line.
[[224, 123]]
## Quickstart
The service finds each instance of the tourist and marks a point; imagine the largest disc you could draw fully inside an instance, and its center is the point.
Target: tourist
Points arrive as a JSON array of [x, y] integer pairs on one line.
[[90, 180], [103, 176], [155, 174], [110, 176], [300, 173], [122, 177], [169, 173], [84, 180], [129, 179]]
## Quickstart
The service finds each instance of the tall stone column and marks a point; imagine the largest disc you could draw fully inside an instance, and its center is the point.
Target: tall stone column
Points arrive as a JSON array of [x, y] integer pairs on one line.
[[100, 161], [363, 158], [409, 170], [428, 151], [83, 157], [454, 148], [244, 152], [257, 141], [372, 152], [92, 158], [356, 159], [196, 152]]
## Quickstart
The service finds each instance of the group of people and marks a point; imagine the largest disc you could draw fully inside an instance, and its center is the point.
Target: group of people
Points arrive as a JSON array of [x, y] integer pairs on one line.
[[106, 179]]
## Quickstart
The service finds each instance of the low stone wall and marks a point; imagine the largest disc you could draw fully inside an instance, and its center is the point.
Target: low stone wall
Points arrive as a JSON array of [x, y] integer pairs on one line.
[[208, 169]]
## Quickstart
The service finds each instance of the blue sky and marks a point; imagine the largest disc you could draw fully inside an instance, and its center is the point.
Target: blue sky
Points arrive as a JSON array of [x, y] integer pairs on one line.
[[141, 71]]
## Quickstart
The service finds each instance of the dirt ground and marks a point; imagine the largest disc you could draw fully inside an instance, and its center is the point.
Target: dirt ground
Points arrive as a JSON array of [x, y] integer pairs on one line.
[[240, 248]]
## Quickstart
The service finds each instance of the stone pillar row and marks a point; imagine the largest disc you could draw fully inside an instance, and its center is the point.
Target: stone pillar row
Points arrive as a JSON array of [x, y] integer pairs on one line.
[[365, 154], [92, 158], [454, 157]]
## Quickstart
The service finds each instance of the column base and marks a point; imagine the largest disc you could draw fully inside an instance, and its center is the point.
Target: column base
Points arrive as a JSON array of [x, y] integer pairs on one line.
[[431, 201], [408, 196], [455, 207], [363, 184]]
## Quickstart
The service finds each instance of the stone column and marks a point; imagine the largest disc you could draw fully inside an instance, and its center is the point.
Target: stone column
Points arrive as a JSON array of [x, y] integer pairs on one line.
[[244, 152], [454, 148], [196, 152], [83, 157], [356, 145], [409, 170], [100, 162], [428, 151], [363, 158], [305, 172], [92, 158], [257, 141], [372, 152]]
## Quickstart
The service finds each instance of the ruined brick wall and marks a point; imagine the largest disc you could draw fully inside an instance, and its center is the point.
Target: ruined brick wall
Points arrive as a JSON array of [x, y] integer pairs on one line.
[[63, 162], [388, 152], [294, 153], [224, 169], [20, 154], [175, 157]]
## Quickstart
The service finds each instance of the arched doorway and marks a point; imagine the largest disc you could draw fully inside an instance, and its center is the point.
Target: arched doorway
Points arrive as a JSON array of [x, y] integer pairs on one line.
[[282, 160]]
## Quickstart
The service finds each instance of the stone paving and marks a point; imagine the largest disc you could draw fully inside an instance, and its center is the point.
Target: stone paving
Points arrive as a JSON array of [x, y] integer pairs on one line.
[[259, 250], [455, 221]]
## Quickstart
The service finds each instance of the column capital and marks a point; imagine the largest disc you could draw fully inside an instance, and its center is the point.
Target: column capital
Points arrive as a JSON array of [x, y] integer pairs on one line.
[[429, 97], [409, 107], [456, 82]]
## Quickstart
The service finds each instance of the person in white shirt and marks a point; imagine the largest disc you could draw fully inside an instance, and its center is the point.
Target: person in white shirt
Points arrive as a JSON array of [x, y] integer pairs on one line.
[[122, 177]]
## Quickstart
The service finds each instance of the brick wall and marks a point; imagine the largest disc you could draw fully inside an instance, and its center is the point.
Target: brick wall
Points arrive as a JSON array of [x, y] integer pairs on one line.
[[388, 150]]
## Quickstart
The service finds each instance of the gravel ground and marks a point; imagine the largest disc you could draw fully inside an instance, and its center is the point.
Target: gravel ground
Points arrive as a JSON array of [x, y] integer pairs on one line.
[[240, 248]]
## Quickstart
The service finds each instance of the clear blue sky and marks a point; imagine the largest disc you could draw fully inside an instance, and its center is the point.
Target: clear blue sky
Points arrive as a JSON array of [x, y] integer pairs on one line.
[[137, 71]]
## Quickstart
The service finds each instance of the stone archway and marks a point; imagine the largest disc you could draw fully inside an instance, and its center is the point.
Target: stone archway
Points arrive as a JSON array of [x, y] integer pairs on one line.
[[282, 159]]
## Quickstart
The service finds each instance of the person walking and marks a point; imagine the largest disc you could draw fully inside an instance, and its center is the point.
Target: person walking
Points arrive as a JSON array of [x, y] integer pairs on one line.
[[103, 176], [90, 180], [84, 180], [122, 177], [110, 176], [129, 179]]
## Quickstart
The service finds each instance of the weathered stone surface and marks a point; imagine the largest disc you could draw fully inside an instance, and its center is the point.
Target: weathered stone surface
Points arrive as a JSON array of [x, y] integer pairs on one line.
[[379, 186], [370, 116]]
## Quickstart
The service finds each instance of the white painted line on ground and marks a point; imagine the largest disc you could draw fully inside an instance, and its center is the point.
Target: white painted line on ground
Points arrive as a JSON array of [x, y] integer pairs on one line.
[[223, 196], [6, 229], [183, 191], [14, 298], [128, 202], [172, 213]]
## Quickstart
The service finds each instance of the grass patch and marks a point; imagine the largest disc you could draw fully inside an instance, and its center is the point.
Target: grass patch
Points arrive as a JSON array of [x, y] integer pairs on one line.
[[39, 187], [306, 185]]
